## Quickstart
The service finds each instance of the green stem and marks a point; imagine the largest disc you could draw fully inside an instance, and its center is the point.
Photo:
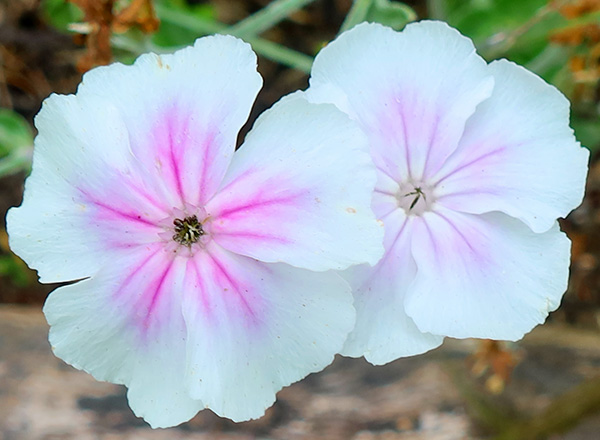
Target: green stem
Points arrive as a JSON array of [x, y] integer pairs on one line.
[[268, 49], [266, 18], [357, 14], [437, 9]]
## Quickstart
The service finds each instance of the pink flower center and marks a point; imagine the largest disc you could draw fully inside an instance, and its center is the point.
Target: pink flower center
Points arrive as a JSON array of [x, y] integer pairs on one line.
[[415, 197], [187, 231]]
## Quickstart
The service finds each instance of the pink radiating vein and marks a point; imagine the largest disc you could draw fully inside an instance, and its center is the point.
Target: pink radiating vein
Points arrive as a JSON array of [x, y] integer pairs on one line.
[[173, 159], [246, 234], [430, 145], [146, 196], [155, 296], [201, 287], [136, 271], [406, 146], [474, 161], [388, 252], [128, 216], [208, 143], [235, 286], [385, 173], [255, 205], [458, 231]]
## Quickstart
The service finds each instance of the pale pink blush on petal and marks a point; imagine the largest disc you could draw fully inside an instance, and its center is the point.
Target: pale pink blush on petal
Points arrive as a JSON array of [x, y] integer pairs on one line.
[[411, 91], [518, 154], [236, 224], [125, 326], [486, 276], [308, 204], [254, 328], [194, 151], [383, 331], [187, 154]]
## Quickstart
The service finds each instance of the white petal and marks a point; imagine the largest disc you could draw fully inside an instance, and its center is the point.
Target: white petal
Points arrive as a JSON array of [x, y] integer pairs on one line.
[[485, 276], [411, 91], [183, 111], [384, 332], [125, 326], [299, 191], [80, 145], [254, 328], [518, 154], [135, 142]]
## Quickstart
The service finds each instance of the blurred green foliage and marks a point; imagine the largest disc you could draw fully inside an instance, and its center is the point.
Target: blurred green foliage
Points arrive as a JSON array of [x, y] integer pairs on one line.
[[520, 30], [171, 35], [391, 13], [60, 14], [388, 12], [16, 143], [16, 147]]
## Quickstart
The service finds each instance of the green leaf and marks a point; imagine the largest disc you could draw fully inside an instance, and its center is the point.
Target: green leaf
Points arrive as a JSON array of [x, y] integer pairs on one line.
[[587, 131], [60, 14], [391, 13], [387, 12], [15, 270], [16, 143], [15, 132], [172, 35]]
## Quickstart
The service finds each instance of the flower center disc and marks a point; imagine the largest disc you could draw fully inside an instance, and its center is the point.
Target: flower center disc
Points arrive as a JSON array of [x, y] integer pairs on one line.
[[187, 231], [415, 198]]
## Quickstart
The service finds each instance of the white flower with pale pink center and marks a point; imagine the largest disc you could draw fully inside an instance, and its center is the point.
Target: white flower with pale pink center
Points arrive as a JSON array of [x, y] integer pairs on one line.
[[205, 275], [475, 163]]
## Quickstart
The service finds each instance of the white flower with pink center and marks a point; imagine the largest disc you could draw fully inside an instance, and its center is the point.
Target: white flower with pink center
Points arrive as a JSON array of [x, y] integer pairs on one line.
[[475, 163], [205, 275]]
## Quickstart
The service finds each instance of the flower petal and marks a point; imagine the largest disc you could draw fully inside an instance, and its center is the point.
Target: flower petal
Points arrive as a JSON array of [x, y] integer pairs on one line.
[[254, 328], [299, 190], [183, 112], [484, 276], [411, 91], [79, 149], [383, 331], [518, 154], [125, 326], [114, 160]]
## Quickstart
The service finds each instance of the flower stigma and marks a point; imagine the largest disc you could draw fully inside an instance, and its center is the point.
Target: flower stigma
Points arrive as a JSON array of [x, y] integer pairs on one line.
[[187, 231], [415, 198]]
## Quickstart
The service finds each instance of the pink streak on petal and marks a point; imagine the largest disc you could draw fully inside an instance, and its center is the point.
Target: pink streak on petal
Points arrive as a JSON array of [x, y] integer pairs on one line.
[[114, 214], [175, 168], [118, 218], [252, 235], [431, 145], [457, 230], [148, 293], [148, 198], [199, 286], [257, 203], [168, 135], [470, 163], [223, 278], [156, 288], [207, 162], [406, 145], [136, 271], [188, 154], [242, 212]]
